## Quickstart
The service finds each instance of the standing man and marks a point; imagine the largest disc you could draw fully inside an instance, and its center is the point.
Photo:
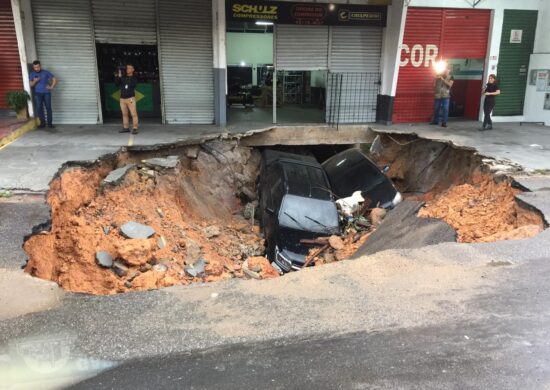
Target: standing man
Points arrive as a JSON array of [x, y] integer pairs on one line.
[[442, 91], [43, 82], [490, 91], [127, 85]]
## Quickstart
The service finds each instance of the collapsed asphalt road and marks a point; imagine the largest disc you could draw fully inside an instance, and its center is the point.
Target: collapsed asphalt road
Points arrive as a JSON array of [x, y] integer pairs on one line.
[[501, 342], [392, 293]]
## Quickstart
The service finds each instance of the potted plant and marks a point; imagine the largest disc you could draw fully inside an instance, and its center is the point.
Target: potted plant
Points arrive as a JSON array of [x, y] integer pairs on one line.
[[18, 101]]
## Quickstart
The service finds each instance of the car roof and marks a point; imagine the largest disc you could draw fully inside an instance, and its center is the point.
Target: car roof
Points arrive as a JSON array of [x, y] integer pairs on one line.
[[303, 175], [270, 155]]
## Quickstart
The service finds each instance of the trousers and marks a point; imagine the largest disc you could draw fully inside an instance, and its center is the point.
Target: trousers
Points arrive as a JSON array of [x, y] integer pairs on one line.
[[441, 103], [43, 102], [128, 106], [488, 106]]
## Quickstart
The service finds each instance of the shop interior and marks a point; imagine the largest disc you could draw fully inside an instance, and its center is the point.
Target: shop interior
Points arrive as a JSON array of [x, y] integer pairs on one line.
[[466, 92], [112, 57], [300, 95]]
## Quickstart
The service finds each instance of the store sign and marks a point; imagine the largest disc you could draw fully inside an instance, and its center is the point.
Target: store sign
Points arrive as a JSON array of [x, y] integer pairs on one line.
[[319, 14], [419, 55]]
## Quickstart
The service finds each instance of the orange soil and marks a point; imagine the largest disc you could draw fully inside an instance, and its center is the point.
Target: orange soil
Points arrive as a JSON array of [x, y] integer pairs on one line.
[[80, 212], [483, 211]]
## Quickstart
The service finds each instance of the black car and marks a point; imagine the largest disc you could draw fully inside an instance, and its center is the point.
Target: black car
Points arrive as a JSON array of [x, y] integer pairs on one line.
[[296, 203], [351, 170]]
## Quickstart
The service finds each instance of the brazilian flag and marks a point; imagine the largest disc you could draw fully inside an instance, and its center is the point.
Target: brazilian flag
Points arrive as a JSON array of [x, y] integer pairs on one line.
[[144, 97]]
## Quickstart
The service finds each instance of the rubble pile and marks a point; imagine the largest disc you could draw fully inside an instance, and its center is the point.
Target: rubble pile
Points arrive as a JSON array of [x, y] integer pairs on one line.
[[356, 232], [136, 225], [484, 211]]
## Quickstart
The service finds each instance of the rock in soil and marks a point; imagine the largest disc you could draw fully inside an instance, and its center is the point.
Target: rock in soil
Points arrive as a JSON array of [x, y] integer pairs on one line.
[[169, 162], [120, 269], [262, 266], [134, 252], [196, 269], [136, 230], [104, 259]]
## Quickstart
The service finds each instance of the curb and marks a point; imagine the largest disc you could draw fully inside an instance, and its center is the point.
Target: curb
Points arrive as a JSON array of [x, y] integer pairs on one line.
[[31, 124]]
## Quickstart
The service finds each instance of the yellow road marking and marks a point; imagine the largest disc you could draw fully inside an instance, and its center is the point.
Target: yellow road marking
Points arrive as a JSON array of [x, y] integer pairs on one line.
[[131, 140], [30, 125]]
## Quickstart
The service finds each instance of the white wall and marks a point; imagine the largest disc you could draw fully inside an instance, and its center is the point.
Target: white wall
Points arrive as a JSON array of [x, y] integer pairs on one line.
[[542, 37], [391, 53], [250, 48], [534, 101]]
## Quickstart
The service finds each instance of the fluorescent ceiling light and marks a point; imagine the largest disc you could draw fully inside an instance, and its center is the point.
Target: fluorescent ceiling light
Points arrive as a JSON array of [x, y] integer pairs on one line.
[[262, 23]]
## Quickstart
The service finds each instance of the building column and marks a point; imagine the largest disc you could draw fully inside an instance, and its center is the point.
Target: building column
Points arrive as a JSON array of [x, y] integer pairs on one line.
[[220, 63], [24, 30], [391, 55]]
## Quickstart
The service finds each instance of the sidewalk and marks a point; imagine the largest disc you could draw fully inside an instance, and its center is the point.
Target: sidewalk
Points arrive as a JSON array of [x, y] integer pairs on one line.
[[527, 145], [12, 128]]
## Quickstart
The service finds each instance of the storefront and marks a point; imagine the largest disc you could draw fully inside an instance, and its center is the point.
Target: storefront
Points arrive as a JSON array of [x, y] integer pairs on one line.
[[325, 57], [457, 36], [169, 42], [10, 65]]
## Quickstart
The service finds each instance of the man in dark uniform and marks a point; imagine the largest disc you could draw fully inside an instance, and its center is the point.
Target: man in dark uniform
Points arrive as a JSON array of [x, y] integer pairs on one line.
[[490, 91], [127, 85]]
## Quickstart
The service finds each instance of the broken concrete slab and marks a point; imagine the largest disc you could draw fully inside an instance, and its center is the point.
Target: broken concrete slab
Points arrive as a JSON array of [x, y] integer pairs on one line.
[[403, 229], [169, 162], [116, 176], [196, 269], [104, 259], [136, 230]]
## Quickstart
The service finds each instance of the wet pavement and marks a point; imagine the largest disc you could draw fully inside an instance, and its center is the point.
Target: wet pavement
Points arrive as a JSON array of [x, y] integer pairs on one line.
[[445, 316]]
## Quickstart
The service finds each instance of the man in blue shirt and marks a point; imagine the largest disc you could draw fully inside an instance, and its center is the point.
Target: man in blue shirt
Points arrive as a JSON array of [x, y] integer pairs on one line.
[[43, 82]]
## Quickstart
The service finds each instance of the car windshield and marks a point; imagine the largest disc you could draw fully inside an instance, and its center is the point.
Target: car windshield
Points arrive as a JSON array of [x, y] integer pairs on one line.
[[308, 214]]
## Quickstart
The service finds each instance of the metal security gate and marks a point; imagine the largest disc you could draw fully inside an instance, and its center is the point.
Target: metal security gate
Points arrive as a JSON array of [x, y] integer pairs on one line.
[[125, 22], [65, 45], [301, 47], [10, 66], [186, 60], [354, 80], [513, 61]]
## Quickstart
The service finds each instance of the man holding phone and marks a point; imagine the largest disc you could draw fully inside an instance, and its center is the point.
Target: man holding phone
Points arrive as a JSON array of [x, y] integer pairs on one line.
[[127, 84], [442, 91], [43, 82]]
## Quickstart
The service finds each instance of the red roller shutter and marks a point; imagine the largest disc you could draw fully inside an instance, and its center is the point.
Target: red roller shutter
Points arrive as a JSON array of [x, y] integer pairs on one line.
[[434, 33], [10, 67]]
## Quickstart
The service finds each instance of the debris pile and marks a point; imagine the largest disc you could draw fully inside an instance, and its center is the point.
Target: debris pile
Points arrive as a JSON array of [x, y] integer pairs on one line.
[[358, 227], [484, 211], [135, 225]]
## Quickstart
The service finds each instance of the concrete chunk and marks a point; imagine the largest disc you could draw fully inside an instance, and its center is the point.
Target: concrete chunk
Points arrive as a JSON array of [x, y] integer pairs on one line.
[[104, 259], [196, 269], [116, 176], [136, 230], [169, 162]]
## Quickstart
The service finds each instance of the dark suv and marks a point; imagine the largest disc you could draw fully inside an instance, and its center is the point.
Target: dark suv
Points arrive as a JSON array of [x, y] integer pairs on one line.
[[295, 203]]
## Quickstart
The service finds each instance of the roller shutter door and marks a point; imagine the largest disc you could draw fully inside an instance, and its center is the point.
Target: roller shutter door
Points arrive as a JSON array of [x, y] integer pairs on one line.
[[186, 60], [513, 62], [65, 46], [432, 33], [10, 66], [301, 47], [355, 52], [125, 22]]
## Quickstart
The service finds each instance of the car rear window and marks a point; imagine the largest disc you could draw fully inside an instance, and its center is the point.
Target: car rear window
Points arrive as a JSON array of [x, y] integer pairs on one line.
[[306, 180]]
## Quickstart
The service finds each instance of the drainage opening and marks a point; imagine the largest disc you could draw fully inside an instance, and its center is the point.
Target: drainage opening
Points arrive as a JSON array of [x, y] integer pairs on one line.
[[151, 219]]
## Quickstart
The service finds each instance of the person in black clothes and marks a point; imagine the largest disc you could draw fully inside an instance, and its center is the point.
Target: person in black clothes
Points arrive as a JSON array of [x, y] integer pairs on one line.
[[490, 91], [127, 85]]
